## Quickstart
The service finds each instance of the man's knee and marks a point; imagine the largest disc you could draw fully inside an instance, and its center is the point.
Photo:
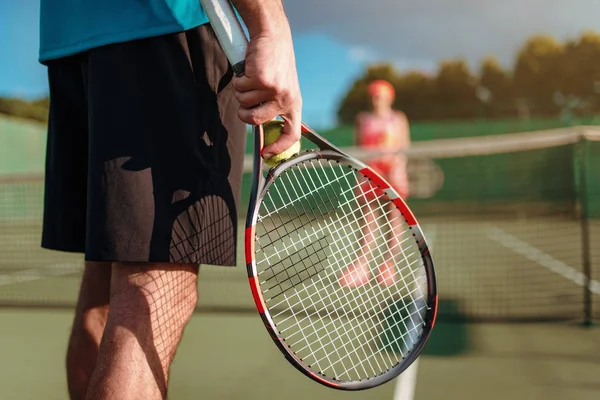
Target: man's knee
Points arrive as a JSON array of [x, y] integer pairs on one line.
[[91, 322], [93, 304], [164, 295], [95, 287]]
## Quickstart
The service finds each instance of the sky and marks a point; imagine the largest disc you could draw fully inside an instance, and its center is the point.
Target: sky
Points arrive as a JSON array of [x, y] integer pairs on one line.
[[336, 39]]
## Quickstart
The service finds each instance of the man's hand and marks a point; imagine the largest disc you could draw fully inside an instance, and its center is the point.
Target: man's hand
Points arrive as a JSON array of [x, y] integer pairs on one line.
[[270, 85]]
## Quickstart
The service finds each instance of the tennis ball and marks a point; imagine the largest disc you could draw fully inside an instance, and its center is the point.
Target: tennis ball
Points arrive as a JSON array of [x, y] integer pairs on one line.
[[272, 131]]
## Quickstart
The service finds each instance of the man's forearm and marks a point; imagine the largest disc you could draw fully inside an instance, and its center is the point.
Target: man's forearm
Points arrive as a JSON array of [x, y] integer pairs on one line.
[[269, 86], [262, 16]]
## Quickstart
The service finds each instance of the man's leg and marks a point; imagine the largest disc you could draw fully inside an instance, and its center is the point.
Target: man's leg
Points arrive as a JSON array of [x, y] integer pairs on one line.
[[149, 309], [162, 181], [90, 318]]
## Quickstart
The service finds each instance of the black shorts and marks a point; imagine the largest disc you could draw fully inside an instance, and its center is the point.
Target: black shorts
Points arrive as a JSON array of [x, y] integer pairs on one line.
[[145, 152]]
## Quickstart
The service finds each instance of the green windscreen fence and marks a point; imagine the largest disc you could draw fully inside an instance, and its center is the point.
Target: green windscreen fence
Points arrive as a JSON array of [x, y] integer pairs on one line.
[[512, 220]]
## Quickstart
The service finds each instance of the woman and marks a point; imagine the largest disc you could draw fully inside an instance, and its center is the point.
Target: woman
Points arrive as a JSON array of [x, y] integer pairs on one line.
[[383, 128]]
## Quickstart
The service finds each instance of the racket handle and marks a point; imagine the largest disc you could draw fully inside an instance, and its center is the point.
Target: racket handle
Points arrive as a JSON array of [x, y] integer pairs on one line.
[[229, 32]]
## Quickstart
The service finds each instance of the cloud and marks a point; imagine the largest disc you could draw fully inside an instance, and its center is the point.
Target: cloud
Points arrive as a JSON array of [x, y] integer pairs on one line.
[[428, 30], [360, 54], [363, 55]]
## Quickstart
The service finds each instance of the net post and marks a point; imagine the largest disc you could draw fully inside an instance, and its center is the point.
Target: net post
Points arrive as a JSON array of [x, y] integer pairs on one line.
[[581, 153]]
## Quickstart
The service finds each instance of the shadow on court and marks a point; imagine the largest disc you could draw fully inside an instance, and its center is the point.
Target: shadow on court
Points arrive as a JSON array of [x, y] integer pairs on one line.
[[448, 338], [232, 357]]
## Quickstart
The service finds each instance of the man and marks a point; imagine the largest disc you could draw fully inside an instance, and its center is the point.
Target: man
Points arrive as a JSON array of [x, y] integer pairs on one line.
[[144, 164], [382, 128]]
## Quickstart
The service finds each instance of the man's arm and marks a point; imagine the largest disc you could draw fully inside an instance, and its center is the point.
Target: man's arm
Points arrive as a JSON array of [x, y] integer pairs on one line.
[[270, 85], [262, 16]]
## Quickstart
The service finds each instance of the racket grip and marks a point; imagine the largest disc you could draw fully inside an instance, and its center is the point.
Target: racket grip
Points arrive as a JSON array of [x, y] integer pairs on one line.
[[229, 32]]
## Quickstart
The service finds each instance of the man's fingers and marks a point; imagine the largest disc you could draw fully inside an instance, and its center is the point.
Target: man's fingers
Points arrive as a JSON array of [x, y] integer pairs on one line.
[[260, 114], [291, 134], [283, 143], [253, 98], [244, 84]]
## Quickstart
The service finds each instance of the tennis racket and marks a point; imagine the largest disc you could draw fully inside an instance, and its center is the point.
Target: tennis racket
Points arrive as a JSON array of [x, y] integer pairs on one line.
[[338, 266]]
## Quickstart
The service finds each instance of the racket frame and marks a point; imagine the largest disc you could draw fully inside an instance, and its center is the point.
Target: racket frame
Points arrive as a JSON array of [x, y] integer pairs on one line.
[[260, 186], [233, 40]]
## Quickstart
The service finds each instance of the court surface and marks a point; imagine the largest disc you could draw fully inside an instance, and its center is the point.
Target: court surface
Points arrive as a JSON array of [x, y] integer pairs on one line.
[[521, 268], [231, 357]]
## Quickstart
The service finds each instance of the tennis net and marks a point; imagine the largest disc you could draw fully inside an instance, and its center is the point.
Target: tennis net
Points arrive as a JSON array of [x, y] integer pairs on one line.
[[511, 219]]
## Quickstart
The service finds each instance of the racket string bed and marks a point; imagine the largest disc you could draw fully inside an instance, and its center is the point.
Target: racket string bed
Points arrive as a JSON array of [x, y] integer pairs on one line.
[[336, 329], [330, 232], [292, 254], [313, 353], [388, 248], [326, 325], [297, 321], [289, 232]]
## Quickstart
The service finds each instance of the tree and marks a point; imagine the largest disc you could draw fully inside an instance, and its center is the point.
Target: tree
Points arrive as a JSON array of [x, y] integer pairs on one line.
[[357, 99], [538, 73], [35, 110], [547, 77], [415, 94], [456, 90], [499, 84], [581, 75]]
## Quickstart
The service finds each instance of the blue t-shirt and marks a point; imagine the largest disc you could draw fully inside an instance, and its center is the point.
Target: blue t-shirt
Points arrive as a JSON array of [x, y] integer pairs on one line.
[[71, 26]]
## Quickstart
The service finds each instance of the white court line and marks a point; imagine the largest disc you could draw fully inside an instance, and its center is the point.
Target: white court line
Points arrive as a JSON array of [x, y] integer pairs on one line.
[[28, 275], [545, 260], [406, 383]]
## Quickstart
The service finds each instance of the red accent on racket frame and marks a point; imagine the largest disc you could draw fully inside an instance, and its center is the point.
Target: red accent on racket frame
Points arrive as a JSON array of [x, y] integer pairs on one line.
[[308, 371], [304, 128], [323, 381], [258, 299], [408, 215], [249, 243], [379, 181], [435, 312]]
